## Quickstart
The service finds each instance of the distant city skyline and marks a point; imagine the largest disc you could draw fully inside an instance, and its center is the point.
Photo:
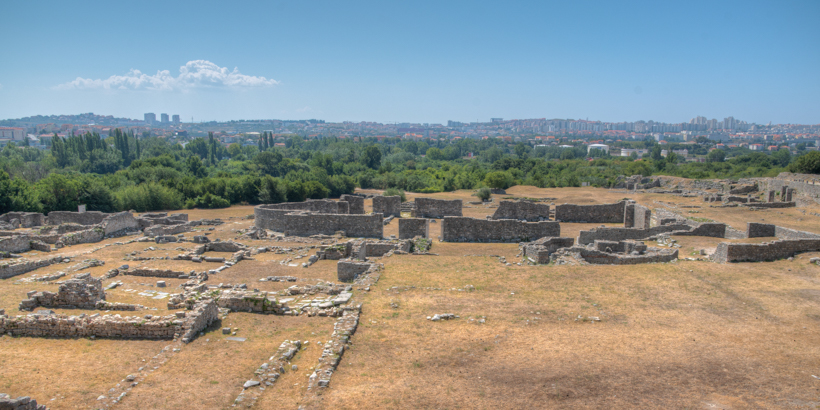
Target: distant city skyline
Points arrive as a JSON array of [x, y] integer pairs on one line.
[[420, 62]]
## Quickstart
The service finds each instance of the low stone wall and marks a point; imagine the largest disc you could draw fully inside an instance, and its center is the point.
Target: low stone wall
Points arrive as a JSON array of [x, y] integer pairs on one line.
[[620, 234], [82, 292], [355, 204], [307, 224], [387, 205], [539, 251], [162, 230], [325, 206], [185, 325], [758, 230], [81, 218], [92, 235], [437, 208], [652, 255], [20, 403], [155, 273], [606, 213], [770, 204], [522, 211], [377, 249], [9, 270], [464, 229], [410, 228], [246, 301], [348, 270], [754, 252], [710, 229]]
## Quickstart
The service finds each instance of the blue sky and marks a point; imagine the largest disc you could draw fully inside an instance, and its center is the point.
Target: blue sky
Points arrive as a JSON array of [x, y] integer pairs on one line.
[[413, 61]]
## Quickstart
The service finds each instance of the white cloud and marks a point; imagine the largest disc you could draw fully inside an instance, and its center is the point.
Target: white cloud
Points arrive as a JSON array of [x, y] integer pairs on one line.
[[194, 74]]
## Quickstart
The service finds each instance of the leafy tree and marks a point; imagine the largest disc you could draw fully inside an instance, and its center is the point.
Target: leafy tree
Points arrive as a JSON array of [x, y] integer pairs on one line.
[[808, 163], [395, 192], [716, 155], [782, 157], [499, 179], [372, 157]]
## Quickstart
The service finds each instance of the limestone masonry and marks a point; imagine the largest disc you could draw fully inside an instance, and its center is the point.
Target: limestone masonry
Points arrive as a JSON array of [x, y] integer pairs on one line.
[[606, 213], [387, 205], [522, 210], [437, 208], [464, 229]]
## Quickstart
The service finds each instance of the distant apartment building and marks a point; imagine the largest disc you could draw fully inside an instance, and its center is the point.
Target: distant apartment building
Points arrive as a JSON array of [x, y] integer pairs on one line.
[[12, 133], [150, 118], [164, 118], [176, 119]]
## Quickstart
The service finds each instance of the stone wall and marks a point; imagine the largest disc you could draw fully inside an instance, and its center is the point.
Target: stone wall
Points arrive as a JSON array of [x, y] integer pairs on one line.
[[347, 270], [155, 273], [606, 213], [437, 208], [376, 249], [806, 187], [654, 255], [754, 252], [539, 251], [20, 403], [246, 301], [710, 229], [387, 205], [758, 230], [637, 216], [81, 218], [82, 291], [355, 204], [26, 219], [410, 228], [325, 206], [184, 325], [15, 244], [92, 235], [522, 211], [307, 224], [119, 223], [9, 270], [464, 229], [162, 230], [620, 234]]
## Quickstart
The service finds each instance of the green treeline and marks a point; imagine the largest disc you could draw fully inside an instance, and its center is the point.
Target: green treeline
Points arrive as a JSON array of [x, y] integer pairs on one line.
[[123, 171]]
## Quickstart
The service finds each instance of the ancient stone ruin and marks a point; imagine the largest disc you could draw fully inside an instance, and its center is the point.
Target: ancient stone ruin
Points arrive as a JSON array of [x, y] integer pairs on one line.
[[522, 210], [464, 229], [437, 208], [410, 228], [606, 213], [387, 205]]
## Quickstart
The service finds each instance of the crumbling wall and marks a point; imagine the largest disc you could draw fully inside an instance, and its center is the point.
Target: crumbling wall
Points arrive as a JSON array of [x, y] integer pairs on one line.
[[325, 206], [82, 291], [387, 205], [92, 235], [355, 204], [759, 252], [20, 403], [437, 208], [12, 269], [247, 301], [81, 218], [522, 211], [758, 230], [464, 229], [119, 223], [347, 270], [15, 244], [637, 216], [620, 234], [654, 255], [410, 228], [539, 251], [26, 219], [605, 213], [163, 230], [155, 273]]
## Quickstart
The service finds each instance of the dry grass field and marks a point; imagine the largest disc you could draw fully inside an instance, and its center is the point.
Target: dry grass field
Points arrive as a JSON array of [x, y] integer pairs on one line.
[[687, 334]]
